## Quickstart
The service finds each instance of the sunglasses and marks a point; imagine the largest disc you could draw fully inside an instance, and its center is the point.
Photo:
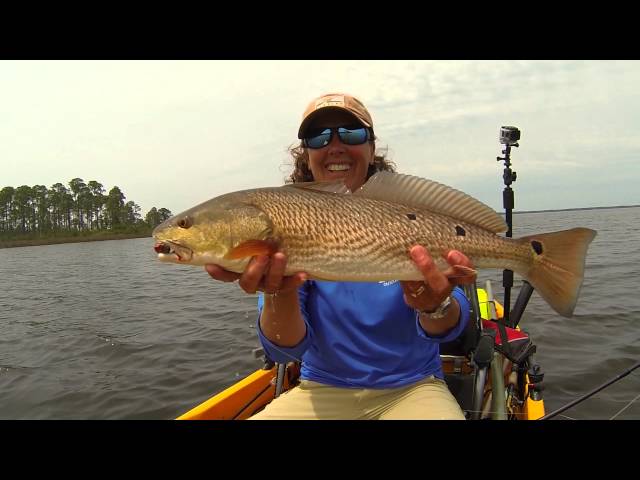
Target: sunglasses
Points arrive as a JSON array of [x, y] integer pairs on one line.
[[321, 137]]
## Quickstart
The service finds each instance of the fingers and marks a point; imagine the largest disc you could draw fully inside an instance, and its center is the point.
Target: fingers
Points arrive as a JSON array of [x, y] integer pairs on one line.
[[437, 284], [414, 288], [276, 281], [460, 275], [433, 277], [429, 293], [275, 273], [418, 294], [455, 257], [461, 270], [262, 273], [219, 273], [253, 273]]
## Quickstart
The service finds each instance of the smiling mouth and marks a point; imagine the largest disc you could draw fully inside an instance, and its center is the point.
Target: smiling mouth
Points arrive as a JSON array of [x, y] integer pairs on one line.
[[171, 251], [338, 167]]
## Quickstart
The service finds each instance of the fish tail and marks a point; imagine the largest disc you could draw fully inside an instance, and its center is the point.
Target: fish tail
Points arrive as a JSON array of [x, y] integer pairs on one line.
[[558, 266]]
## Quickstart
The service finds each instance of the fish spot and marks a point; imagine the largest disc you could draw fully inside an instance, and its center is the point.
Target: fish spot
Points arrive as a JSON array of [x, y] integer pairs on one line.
[[411, 216], [461, 232], [537, 247]]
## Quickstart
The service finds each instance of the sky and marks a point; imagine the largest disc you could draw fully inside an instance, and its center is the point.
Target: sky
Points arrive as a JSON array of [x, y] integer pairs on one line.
[[173, 134]]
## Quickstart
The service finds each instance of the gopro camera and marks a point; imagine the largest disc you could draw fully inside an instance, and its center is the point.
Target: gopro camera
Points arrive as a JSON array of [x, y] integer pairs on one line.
[[509, 135]]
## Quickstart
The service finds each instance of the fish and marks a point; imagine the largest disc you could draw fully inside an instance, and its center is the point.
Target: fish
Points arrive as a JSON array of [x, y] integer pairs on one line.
[[333, 234]]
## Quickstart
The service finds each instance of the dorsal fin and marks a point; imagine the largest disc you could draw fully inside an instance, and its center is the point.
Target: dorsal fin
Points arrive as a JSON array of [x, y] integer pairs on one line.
[[436, 197], [331, 187]]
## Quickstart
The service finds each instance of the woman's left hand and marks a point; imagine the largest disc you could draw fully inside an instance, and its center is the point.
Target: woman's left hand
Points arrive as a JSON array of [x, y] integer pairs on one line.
[[437, 285]]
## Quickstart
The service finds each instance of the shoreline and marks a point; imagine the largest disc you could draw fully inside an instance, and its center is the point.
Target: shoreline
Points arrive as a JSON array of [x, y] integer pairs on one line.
[[33, 242]]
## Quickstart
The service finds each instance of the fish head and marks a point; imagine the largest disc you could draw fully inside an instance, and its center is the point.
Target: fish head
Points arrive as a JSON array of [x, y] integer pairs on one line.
[[226, 231]]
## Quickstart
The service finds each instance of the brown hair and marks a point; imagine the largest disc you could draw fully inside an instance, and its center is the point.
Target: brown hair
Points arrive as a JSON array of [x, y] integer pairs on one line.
[[302, 173]]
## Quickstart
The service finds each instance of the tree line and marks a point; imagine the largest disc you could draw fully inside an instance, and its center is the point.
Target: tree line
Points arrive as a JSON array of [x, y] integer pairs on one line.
[[79, 208]]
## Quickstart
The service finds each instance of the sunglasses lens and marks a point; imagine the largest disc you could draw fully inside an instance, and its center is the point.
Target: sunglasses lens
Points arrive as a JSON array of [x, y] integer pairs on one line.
[[318, 138], [348, 135], [353, 136]]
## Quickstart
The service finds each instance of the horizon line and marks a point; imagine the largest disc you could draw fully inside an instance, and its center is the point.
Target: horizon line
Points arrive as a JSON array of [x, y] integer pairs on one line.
[[571, 209]]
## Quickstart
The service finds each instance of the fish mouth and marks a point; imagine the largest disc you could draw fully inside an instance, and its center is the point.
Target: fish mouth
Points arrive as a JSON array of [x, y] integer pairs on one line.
[[171, 251]]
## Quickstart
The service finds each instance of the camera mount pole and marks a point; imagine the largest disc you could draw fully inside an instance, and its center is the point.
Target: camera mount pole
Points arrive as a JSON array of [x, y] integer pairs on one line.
[[508, 137]]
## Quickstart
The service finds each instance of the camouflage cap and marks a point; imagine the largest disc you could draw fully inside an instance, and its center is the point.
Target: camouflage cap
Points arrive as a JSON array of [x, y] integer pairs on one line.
[[340, 101]]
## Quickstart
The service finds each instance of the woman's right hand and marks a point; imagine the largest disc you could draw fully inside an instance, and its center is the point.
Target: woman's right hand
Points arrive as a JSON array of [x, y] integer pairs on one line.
[[281, 321], [262, 273]]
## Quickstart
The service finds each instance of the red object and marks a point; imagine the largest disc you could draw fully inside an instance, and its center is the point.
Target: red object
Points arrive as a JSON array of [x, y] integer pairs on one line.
[[513, 335]]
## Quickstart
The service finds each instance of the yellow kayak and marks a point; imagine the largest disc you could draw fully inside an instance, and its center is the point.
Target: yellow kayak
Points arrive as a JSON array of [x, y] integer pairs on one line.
[[481, 391]]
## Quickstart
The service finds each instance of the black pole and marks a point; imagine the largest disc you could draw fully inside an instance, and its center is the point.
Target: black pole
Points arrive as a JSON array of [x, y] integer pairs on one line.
[[521, 303], [508, 137]]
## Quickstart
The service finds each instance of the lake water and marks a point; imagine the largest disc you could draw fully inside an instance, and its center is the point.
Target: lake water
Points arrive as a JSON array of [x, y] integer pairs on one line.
[[102, 330]]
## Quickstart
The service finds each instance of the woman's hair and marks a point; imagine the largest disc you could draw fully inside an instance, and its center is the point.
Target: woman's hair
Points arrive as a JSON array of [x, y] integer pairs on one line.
[[302, 172]]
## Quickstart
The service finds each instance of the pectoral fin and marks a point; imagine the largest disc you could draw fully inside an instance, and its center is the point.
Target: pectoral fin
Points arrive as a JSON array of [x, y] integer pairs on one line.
[[251, 248]]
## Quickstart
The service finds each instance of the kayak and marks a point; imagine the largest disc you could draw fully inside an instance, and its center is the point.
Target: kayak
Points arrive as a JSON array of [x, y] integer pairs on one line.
[[490, 371]]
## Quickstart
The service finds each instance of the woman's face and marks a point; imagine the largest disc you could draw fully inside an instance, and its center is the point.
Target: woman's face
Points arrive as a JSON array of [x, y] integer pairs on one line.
[[337, 160]]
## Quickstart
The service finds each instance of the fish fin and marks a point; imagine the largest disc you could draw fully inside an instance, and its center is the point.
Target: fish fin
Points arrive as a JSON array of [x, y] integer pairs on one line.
[[558, 266], [251, 248], [331, 187], [422, 193], [461, 271]]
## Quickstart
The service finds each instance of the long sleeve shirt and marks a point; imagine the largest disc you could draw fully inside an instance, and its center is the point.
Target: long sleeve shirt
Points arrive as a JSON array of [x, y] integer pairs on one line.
[[363, 335]]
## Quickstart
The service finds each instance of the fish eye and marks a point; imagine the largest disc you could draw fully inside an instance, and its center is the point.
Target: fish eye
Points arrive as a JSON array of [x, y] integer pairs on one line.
[[185, 222]]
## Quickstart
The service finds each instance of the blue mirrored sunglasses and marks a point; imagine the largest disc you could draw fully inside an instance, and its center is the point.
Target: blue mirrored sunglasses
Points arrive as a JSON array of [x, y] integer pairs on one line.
[[320, 138]]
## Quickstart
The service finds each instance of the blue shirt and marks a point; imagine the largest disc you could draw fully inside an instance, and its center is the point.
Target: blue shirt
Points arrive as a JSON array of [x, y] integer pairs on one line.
[[363, 335]]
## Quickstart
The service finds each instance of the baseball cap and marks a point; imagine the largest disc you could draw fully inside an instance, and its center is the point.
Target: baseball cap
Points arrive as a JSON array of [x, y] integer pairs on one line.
[[340, 101]]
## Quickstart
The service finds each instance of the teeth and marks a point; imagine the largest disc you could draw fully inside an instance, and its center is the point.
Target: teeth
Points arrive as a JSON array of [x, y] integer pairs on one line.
[[338, 168]]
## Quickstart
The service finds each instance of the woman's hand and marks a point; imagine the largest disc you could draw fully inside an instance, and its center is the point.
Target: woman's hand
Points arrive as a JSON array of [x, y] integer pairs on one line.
[[281, 321], [262, 273], [427, 295]]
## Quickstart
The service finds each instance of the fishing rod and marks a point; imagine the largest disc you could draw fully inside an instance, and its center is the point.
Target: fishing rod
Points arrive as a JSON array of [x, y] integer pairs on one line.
[[591, 393]]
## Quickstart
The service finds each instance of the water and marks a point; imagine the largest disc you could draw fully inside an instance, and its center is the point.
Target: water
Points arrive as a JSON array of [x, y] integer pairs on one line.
[[602, 339], [102, 330]]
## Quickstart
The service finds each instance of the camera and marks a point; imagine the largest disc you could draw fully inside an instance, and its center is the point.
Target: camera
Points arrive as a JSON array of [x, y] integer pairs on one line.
[[509, 135]]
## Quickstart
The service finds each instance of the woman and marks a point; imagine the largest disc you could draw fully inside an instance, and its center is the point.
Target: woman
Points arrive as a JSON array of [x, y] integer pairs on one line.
[[368, 350]]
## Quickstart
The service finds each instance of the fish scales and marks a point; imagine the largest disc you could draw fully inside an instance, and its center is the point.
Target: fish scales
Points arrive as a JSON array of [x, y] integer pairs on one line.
[[355, 238]]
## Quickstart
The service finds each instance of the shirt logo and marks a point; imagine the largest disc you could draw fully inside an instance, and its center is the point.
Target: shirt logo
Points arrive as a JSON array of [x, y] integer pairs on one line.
[[386, 283]]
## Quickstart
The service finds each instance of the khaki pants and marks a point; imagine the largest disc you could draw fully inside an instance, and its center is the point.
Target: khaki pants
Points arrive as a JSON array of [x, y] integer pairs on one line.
[[428, 399]]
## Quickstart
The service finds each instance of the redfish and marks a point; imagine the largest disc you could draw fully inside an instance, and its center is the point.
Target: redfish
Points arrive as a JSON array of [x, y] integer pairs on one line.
[[337, 235]]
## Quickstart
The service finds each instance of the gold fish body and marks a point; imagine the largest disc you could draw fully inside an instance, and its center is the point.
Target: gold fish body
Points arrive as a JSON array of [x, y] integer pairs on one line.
[[332, 234]]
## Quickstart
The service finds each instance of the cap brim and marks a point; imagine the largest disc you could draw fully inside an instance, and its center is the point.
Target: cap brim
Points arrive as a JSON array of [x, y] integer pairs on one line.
[[305, 123]]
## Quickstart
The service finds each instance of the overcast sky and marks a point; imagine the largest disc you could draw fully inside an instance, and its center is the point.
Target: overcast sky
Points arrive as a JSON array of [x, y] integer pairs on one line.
[[175, 133]]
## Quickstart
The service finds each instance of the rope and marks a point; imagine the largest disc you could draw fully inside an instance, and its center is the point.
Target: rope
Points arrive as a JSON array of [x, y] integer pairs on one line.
[[625, 407]]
